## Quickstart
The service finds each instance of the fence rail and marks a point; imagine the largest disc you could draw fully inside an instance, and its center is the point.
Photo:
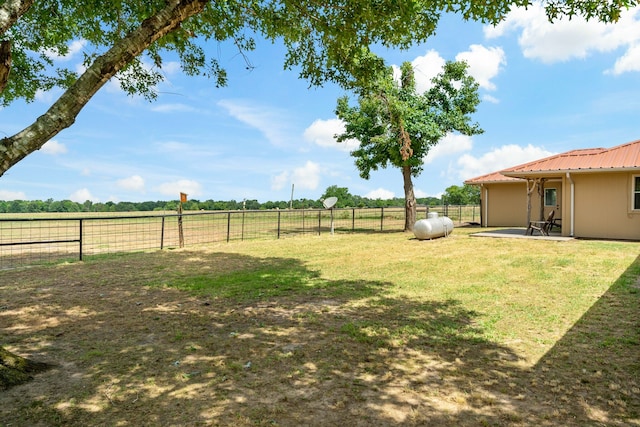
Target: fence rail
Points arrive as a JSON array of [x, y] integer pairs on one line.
[[33, 240]]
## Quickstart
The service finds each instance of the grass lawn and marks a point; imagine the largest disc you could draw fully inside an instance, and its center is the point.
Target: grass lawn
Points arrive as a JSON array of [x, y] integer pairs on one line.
[[358, 330]]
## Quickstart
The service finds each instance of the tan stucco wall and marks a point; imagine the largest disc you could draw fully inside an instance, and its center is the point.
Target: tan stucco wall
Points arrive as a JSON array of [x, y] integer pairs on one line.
[[603, 206], [507, 205]]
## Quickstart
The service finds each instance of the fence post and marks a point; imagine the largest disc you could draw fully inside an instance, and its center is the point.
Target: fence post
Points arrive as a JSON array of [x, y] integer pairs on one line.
[[460, 214], [353, 219], [162, 234], [242, 232], [228, 225], [278, 223], [381, 218], [319, 222], [80, 239], [180, 230]]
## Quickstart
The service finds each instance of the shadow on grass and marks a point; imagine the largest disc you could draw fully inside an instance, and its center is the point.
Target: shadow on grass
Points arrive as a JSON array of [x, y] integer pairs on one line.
[[267, 341], [592, 374]]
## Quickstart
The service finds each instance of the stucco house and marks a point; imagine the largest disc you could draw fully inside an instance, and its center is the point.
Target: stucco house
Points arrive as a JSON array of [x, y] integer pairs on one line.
[[595, 192]]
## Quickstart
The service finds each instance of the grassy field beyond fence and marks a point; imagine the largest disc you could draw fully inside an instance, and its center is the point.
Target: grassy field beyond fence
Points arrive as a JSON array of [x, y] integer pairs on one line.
[[28, 239]]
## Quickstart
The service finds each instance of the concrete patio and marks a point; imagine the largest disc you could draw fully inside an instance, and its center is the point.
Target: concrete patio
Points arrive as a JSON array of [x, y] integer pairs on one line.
[[519, 233]]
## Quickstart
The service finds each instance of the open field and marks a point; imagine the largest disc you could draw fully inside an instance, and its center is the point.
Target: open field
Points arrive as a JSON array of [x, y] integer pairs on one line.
[[29, 239], [351, 329]]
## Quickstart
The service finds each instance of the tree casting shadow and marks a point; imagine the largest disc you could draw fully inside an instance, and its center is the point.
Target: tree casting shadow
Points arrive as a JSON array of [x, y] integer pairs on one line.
[[283, 346]]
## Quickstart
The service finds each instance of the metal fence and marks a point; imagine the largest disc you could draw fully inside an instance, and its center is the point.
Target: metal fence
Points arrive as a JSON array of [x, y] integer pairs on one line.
[[29, 240]]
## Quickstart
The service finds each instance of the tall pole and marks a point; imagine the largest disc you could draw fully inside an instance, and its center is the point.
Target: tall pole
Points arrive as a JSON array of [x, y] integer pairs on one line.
[[291, 200]]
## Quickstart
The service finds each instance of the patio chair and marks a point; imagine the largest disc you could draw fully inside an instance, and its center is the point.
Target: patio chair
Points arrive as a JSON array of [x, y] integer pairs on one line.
[[542, 226], [557, 222]]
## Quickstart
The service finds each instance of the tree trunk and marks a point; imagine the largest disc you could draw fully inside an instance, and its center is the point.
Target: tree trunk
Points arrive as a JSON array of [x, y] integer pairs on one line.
[[531, 186], [541, 194], [64, 111], [11, 11], [15, 370], [409, 200], [5, 62]]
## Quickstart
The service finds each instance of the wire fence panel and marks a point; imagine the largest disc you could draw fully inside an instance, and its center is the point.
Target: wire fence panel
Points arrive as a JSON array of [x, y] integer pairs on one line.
[[457, 213], [112, 235], [29, 241]]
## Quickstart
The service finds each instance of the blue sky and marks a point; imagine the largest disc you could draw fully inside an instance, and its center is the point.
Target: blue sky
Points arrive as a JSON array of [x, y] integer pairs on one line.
[[545, 89]]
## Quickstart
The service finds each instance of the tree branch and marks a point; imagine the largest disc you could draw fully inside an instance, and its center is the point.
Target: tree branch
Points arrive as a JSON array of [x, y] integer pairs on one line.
[[11, 11], [5, 63], [64, 111]]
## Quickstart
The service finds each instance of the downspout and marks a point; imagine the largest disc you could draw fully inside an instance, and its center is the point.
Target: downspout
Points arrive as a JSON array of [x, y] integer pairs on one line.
[[486, 206], [572, 198]]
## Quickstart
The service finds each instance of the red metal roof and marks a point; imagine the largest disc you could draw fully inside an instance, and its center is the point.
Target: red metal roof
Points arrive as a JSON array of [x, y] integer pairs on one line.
[[621, 157], [492, 177]]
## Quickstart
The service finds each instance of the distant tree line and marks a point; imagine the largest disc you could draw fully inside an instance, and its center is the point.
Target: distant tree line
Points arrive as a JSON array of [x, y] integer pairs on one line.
[[454, 196]]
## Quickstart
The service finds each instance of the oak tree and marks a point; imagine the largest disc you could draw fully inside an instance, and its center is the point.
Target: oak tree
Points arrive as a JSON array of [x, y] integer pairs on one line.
[[397, 126], [465, 195]]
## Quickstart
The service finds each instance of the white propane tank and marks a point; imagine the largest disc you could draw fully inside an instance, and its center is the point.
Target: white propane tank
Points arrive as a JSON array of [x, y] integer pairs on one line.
[[433, 226]]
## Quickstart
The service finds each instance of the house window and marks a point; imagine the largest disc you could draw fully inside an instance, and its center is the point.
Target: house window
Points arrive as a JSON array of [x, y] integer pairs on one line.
[[550, 196], [636, 192]]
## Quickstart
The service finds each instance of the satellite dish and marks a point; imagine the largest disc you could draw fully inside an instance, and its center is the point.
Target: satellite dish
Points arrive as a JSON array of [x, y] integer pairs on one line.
[[330, 202]]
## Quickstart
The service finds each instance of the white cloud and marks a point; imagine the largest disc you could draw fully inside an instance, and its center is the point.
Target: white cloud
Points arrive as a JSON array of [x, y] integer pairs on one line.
[[54, 147], [484, 63], [501, 158], [278, 182], [307, 176], [174, 188], [304, 177], [630, 61], [82, 195], [74, 47], [380, 193], [425, 68], [12, 195], [321, 132], [268, 121], [132, 183], [450, 144], [567, 39]]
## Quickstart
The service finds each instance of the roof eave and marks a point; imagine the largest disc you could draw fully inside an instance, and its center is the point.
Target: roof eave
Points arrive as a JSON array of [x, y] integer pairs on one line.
[[560, 172], [504, 181]]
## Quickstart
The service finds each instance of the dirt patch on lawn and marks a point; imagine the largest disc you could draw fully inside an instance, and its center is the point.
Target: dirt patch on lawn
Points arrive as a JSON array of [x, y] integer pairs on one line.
[[127, 351]]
